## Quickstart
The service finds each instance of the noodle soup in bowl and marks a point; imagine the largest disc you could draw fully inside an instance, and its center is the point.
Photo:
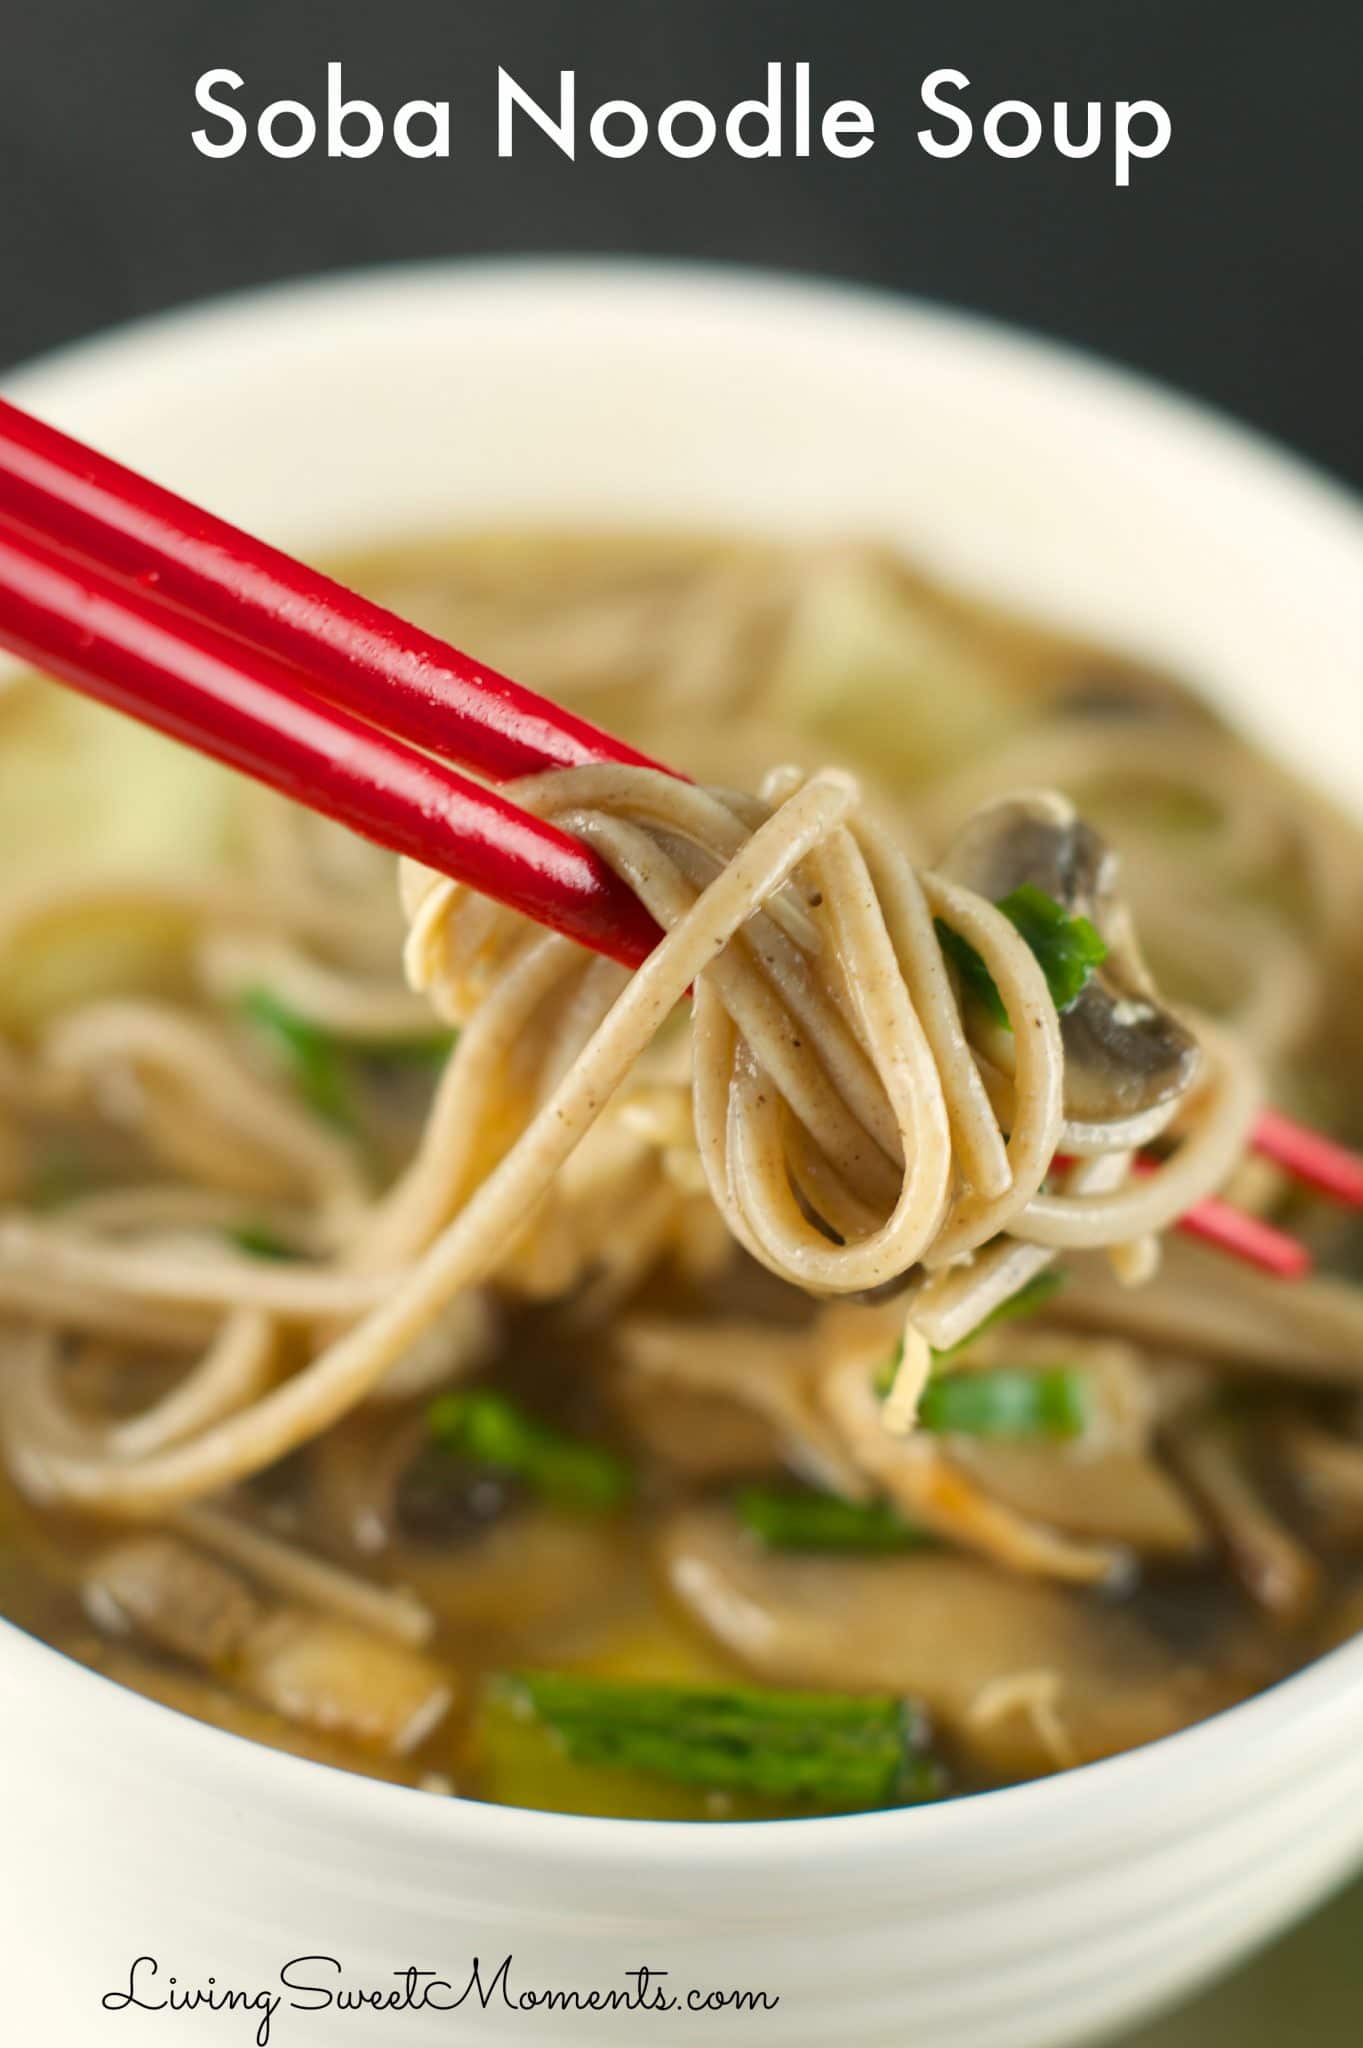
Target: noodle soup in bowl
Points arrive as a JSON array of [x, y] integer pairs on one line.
[[350, 422]]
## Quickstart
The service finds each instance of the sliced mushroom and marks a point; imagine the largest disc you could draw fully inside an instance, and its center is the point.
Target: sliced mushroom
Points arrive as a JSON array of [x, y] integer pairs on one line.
[[538, 1571], [380, 1481], [1117, 1496], [769, 1374], [1125, 1053], [1037, 837], [326, 1674], [173, 1596], [1203, 1305], [300, 1575], [946, 1630], [205, 1699], [315, 1670], [1327, 1470], [1277, 1571], [701, 1436], [443, 1498]]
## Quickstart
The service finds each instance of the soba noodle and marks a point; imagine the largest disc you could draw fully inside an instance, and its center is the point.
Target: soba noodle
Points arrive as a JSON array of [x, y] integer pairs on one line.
[[829, 1064]]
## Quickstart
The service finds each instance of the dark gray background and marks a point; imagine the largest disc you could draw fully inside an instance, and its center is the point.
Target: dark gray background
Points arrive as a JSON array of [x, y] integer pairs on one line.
[[1231, 266]]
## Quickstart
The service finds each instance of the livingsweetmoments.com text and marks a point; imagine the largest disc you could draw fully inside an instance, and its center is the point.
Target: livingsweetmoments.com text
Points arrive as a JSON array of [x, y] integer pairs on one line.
[[319, 1983]]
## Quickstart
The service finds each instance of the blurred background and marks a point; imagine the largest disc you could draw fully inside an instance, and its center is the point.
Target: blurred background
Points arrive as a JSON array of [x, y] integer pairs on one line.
[[1230, 267]]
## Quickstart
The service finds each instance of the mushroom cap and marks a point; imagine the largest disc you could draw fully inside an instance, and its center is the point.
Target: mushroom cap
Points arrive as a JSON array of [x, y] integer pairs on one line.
[[1125, 1052]]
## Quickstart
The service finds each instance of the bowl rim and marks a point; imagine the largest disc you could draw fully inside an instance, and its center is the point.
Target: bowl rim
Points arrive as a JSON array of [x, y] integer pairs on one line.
[[1301, 1714]]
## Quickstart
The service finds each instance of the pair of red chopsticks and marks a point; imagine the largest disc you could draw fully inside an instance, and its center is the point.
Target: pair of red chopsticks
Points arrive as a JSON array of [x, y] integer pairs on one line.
[[162, 611], [171, 615]]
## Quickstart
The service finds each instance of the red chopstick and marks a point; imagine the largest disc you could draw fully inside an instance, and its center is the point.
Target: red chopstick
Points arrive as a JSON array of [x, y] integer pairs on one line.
[[198, 684], [1245, 1237], [1315, 1160], [1232, 1230], [354, 653]]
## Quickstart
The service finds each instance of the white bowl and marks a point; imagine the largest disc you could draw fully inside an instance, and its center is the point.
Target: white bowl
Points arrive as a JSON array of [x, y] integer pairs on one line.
[[343, 412]]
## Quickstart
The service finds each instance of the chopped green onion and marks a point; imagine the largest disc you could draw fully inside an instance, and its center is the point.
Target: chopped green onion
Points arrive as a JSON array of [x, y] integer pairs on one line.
[[59, 1176], [829, 1750], [491, 1430], [1007, 1402], [1067, 948], [977, 979], [431, 1049], [313, 1057], [1029, 1299], [258, 1241], [795, 1518]]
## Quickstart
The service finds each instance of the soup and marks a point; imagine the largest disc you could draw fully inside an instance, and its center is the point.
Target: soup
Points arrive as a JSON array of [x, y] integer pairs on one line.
[[768, 1384]]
